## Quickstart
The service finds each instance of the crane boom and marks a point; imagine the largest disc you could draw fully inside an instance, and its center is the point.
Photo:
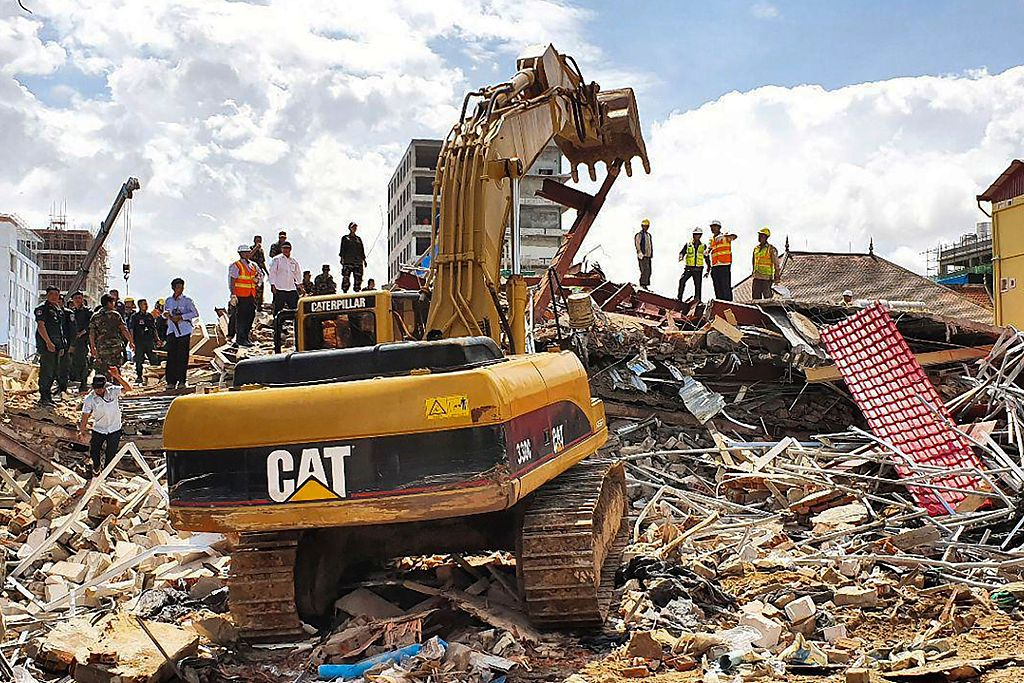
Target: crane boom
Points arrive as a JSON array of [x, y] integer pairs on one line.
[[481, 163], [123, 195]]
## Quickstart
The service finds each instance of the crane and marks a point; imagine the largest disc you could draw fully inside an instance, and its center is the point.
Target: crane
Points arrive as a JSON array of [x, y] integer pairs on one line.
[[124, 194]]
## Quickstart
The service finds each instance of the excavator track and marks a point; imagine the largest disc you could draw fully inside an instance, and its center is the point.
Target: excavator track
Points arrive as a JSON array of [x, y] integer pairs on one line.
[[261, 586], [571, 540]]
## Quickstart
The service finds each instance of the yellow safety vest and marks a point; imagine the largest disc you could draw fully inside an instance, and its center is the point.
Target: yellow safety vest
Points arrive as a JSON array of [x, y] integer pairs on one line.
[[694, 257], [245, 283], [764, 265], [721, 251]]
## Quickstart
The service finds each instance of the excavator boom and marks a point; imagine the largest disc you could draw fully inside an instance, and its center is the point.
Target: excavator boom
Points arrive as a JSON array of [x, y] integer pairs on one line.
[[481, 162]]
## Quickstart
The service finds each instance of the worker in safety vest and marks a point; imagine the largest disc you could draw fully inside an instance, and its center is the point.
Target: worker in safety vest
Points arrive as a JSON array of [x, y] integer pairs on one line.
[[693, 259], [721, 261], [644, 252], [243, 279], [766, 266]]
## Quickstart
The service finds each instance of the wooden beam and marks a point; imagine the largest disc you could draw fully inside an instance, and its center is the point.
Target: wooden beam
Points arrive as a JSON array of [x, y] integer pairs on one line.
[[11, 444], [830, 373]]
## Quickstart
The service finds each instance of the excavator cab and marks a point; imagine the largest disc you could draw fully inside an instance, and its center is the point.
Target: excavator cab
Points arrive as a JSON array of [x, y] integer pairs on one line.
[[356, 319]]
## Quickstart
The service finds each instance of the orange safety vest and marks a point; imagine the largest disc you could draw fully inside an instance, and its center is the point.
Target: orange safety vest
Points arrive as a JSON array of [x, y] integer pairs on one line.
[[721, 251], [245, 283], [764, 265]]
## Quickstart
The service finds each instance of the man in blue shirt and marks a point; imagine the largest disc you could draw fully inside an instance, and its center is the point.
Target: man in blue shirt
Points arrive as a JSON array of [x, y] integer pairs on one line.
[[180, 311]]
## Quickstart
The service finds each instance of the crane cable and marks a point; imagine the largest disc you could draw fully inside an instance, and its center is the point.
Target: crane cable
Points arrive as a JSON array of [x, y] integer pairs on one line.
[[126, 267]]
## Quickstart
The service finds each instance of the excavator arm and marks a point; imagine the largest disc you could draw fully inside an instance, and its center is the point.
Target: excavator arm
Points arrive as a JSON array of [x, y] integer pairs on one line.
[[476, 192]]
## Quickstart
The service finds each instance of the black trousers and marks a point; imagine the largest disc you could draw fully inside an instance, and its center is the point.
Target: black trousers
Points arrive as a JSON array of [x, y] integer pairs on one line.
[[355, 271], [105, 445], [245, 314], [691, 272], [144, 350], [49, 370], [645, 271], [721, 278], [78, 360], [177, 359], [283, 300]]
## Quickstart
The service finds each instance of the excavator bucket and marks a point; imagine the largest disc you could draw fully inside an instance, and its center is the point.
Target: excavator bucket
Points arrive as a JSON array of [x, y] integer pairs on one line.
[[619, 136]]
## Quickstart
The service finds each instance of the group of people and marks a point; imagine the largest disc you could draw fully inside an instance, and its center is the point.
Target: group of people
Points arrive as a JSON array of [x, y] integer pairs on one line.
[[248, 275], [712, 260], [73, 339]]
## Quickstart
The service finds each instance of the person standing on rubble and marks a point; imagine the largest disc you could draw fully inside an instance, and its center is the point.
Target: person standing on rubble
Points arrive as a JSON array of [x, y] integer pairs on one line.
[[180, 311], [371, 285], [285, 280], [353, 259], [720, 265], [644, 252], [142, 325], [243, 278], [766, 266], [324, 283], [692, 258], [161, 323], [259, 257], [78, 342], [307, 282], [103, 404], [50, 343], [276, 247], [107, 336]]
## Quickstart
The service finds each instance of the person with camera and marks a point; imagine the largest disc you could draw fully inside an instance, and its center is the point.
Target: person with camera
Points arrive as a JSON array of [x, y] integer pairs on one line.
[[180, 311]]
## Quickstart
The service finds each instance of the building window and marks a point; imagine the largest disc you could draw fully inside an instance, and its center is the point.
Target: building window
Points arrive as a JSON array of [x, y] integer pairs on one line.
[[422, 244]]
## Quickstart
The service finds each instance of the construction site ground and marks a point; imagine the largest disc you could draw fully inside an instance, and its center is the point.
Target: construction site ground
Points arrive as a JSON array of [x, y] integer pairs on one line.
[[775, 530]]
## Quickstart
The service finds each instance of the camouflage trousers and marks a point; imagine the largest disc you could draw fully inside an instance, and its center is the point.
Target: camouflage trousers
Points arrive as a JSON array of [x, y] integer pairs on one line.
[[107, 356]]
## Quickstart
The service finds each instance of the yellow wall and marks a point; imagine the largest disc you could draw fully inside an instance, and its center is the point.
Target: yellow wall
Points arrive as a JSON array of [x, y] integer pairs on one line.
[[1008, 261]]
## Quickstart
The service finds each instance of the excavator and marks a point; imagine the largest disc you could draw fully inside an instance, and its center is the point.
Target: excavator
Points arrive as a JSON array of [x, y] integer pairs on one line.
[[369, 442]]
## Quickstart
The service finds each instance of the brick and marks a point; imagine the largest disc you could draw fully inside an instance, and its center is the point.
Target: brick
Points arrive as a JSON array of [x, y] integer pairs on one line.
[[834, 633], [858, 676], [858, 597], [72, 571], [769, 629], [800, 609]]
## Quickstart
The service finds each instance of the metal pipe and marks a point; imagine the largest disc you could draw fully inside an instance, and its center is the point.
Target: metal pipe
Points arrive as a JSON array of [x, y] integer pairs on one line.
[[516, 242]]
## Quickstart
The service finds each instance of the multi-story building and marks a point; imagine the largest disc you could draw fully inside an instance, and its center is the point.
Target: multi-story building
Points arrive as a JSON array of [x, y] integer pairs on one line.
[[972, 253], [410, 194], [19, 287], [61, 255], [1006, 196]]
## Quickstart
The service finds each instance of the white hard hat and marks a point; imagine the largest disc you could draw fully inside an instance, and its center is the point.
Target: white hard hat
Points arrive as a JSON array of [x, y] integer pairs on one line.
[[848, 292], [698, 231], [716, 222], [242, 248]]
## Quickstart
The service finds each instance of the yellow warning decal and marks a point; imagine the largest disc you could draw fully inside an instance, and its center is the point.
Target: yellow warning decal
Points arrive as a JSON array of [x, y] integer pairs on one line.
[[444, 407]]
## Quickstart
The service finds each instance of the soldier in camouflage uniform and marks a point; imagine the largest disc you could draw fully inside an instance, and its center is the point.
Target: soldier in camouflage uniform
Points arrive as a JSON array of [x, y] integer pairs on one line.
[[107, 336]]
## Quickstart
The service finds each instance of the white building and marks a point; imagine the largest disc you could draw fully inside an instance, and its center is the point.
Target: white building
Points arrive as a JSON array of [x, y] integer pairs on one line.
[[411, 191], [19, 287]]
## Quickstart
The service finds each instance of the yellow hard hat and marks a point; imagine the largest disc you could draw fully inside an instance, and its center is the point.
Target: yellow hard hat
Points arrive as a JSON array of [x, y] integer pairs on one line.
[[645, 221], [159, 302], [129, 300], [765, 231]]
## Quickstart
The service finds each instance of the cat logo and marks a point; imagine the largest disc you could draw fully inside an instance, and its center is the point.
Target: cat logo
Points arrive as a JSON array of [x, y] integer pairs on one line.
[[333, 305], [320, 474]]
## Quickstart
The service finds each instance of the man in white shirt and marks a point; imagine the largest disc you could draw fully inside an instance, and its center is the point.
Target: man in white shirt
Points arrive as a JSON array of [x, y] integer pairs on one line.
[[285, 279], [103, 404]]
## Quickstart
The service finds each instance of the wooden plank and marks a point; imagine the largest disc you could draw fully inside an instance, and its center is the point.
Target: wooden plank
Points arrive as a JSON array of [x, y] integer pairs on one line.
[[830, 373], [728, 329], [10, 443]]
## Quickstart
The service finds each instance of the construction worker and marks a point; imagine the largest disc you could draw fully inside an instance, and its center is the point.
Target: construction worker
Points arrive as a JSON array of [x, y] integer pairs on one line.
[[180, 311], [692, 258], [259, 257], [161, 323], [103, 405], [276, 247], [324, 283], [285, 279], [353, 259], [720, 264], [107, 336], [766, 266], [243, 278], [644, 252], [78, 342], [129, 308], [142, 325], [847, 297], [50, 343]]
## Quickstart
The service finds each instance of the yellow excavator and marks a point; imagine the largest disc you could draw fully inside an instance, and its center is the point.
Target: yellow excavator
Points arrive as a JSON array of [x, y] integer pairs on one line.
[[368, 443]]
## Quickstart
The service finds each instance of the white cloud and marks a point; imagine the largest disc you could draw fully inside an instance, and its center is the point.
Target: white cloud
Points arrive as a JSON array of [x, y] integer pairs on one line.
[[899, 161], [764, 10]]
